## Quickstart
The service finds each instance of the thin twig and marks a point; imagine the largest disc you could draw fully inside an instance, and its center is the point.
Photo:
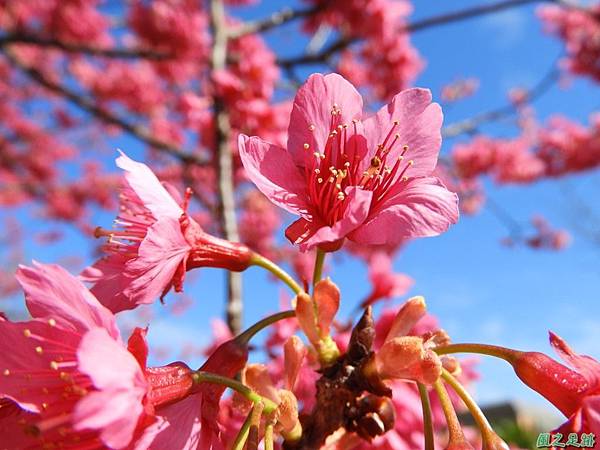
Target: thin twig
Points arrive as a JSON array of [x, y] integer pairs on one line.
[[471, 124], [274, 20], [419, 25], [106, 116], [71, 47]]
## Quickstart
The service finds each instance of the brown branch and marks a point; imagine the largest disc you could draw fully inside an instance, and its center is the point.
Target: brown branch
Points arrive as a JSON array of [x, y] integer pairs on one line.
[[274, 20], [471, 124], [71, 47], [226, 198], [419, 25], [106, 116]]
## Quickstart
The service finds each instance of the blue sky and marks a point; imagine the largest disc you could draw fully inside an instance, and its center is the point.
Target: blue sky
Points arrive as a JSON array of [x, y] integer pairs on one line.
[[480, 290]]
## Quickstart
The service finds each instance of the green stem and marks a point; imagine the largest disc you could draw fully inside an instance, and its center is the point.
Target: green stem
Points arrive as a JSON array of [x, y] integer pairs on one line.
[[207, 377], [319, 260], [427, 419], [240, 439], [249, 333], [269, 437], [504, 353], [455, 433], [265, 263], [253, 435], [480, 419]]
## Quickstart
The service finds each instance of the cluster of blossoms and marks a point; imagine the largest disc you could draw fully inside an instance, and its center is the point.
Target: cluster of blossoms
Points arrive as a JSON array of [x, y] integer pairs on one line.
[[551, 151], [580, 29], [385, 61], [68, 380]]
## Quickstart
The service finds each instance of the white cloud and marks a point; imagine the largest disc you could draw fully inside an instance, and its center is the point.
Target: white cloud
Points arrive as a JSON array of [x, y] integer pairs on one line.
[[506, 27]]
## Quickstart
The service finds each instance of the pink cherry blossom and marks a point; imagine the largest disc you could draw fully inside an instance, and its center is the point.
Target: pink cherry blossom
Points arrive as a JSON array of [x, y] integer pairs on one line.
[[158, 241], [55, 365], [574, 391], [68, 377], [365, 180], [580, 30]]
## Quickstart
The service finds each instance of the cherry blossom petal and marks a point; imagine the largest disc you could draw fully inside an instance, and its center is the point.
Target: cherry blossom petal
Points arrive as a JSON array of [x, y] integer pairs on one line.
[[419, 127], [327, 299], [163, 249], [272, 170], [52, 292], [148, 188], [407, 317], [184, 426], [116, 407], [294, 353], [312, 109], [114, 412], [30, 348], [356, 212], [587, 366], [590, 411], [424, 207], [95, 349]]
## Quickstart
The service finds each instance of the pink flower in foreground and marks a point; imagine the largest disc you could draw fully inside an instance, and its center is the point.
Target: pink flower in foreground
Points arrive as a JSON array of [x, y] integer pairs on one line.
[[575, 392], [54, 367], [366, 180], [68, 379], [156, 244]]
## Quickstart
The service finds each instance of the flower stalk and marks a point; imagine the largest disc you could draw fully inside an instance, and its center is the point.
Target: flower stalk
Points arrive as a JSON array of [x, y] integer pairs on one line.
[[318, 271], [207, 377], [261, 261], [456, 437], [491, 441], [507, 354], [427, 417]]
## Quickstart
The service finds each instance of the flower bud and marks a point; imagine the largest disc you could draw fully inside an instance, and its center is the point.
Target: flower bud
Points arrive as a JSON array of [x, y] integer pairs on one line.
[[315, 316], [408, 315], [405, 357]]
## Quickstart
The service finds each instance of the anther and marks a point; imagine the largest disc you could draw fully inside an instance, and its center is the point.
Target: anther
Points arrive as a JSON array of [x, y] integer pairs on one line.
[[396, 122], [319, 180], [53, 365], [311, 128], [52, 322], [306, 146], [39, 350], [6, 372], [317, 171], [27, 332], [411, 163], [340, 196], [375, 161]]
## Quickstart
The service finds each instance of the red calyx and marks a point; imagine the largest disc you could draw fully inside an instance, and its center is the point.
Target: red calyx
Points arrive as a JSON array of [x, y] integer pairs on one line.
[[169, 384], [563, 387]]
